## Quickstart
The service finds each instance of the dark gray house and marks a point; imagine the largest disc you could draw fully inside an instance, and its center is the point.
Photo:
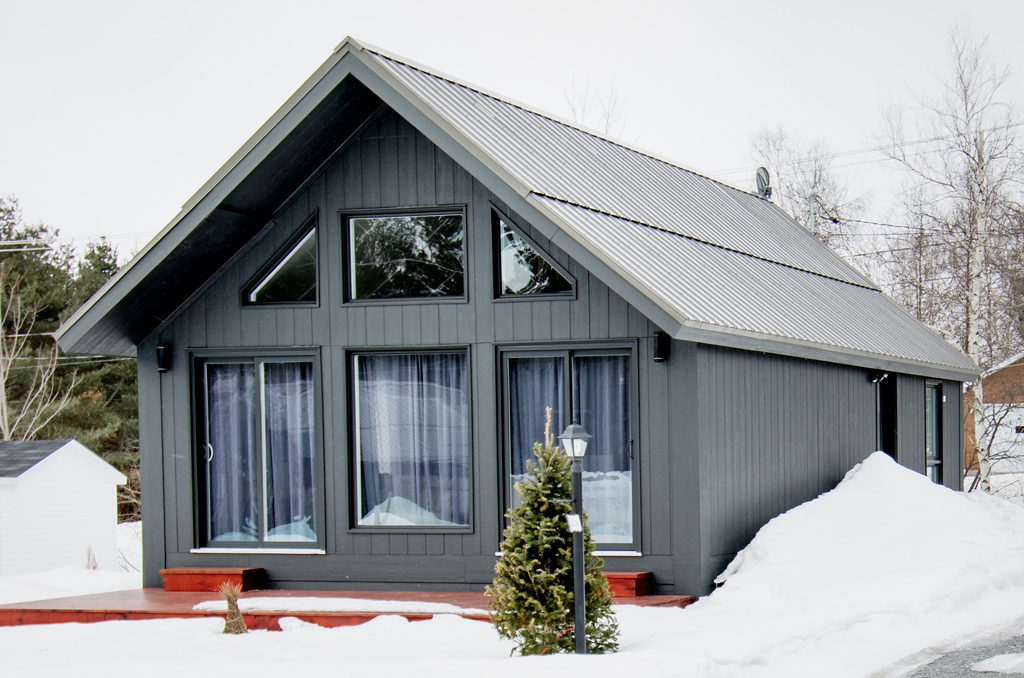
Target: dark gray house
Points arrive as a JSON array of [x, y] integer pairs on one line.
[[348, 337]]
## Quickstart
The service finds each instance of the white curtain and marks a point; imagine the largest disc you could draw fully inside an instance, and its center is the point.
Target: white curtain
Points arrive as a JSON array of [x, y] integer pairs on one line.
[[291, 483], [232, 472], [413, 439]]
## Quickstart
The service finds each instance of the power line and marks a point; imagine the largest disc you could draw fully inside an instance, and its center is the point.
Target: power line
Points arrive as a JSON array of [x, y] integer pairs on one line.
[[858, 151]]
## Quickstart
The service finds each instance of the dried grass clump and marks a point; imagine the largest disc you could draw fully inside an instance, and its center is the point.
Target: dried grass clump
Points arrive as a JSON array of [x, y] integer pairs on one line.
[[234, 622]]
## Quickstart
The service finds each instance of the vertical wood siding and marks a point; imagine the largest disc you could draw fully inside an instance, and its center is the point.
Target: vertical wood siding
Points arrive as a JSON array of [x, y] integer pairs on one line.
[[726, 439], [391, 165], [774, 432]]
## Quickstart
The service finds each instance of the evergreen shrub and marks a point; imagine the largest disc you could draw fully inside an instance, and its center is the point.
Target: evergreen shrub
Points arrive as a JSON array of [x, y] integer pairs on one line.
[[533, 601]]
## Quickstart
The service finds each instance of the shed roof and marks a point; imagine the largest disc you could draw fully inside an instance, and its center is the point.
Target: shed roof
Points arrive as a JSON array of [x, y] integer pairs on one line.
[[18, 456], [705, 261]]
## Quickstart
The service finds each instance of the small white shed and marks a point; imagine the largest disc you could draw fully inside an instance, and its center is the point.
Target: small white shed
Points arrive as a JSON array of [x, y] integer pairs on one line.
[[58, 503]]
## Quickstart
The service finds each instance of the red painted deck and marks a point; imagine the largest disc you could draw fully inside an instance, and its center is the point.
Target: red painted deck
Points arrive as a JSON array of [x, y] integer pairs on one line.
[[160, 604]]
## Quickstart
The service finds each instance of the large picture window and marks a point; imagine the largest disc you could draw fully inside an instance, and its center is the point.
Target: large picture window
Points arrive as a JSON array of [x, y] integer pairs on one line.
[[595, 389], [412, 439], [258, 453], [406, 256]]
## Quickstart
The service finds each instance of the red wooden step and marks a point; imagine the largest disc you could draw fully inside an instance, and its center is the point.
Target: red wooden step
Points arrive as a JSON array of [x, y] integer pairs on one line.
[[210, 578], [630, 584]]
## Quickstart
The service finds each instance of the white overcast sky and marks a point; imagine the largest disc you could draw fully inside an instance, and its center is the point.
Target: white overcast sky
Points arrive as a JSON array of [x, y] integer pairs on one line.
[[115, 113]]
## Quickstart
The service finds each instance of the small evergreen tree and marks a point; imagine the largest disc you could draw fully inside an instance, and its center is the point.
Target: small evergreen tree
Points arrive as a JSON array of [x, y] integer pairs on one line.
[[533, 598]]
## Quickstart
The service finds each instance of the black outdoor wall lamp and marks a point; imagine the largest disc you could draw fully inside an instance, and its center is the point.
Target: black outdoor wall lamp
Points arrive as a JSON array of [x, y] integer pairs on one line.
[[163, 358], [662, 346]]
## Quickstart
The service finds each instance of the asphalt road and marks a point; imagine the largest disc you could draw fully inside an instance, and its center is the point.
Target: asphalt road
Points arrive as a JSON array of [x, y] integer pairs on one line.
[[955, 658], [958, 663]]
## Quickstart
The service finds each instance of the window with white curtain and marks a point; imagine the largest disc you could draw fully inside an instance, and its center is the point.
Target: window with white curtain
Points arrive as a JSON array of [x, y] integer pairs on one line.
[[259, 451], [592, 387], [411, 443]]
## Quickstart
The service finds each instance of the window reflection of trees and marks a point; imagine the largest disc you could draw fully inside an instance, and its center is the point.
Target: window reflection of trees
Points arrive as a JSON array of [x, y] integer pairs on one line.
[[407, 256]]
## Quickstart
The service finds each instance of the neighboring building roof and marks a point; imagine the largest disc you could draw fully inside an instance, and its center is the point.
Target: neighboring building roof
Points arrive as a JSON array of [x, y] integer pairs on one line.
[[18, 456], [705, 261], [1003, 365]]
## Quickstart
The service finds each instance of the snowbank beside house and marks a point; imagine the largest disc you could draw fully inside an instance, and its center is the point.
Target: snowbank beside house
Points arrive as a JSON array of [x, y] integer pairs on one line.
[[883, 567]]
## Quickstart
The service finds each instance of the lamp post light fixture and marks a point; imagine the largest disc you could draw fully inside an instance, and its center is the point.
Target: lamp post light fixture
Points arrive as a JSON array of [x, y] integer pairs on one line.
[[574, 441]]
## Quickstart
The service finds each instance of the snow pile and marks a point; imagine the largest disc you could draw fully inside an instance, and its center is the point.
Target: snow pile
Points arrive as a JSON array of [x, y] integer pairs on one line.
[[310, 604], [883, 566]]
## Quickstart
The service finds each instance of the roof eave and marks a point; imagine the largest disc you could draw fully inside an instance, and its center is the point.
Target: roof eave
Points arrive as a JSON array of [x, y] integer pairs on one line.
[[73, 332], [798, 348]]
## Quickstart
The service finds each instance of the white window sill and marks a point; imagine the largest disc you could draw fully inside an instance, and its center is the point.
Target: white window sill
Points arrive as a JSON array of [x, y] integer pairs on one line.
[[307, 552]]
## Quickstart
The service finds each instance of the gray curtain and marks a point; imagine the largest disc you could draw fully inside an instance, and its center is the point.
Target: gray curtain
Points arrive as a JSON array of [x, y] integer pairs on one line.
[[232, 472], [413, 439], [534, 384], [291, 482], [601, 403]]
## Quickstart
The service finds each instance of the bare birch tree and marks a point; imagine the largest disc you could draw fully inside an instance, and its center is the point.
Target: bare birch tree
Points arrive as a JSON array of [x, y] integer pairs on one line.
[[963, 169], [805, 186], [31, 394]]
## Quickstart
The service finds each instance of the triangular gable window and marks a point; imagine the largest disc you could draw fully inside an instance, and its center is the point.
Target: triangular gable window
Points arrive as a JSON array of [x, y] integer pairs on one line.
[[292, 278], [523, 270]]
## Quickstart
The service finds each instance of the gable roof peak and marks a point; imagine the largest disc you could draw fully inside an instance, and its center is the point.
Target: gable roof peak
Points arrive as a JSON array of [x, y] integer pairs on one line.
[[533, 110]]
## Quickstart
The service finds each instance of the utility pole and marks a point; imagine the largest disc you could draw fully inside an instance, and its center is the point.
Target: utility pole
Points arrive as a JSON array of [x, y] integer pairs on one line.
[[812, 198]]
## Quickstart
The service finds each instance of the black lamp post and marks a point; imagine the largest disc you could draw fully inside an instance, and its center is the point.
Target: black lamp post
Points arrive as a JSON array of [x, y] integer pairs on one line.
[[574, 441]]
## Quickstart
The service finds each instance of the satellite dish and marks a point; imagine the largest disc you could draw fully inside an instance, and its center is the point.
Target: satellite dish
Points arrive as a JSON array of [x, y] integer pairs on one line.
[[764, 188]]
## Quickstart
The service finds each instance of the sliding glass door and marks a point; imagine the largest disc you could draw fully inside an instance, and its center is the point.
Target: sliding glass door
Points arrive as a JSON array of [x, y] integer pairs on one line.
[[594, 388], [258, 451]]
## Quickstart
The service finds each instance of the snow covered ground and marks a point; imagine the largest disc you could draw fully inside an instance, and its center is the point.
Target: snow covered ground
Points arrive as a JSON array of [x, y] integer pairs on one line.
[[885, 566], [73, 581]]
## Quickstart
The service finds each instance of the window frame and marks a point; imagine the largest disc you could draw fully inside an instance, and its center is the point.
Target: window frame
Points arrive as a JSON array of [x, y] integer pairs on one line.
[[198, 362], [347, 263], [886, 420], [354, 480], [497, 216], [568, 351], [310, 225], [936, 462]]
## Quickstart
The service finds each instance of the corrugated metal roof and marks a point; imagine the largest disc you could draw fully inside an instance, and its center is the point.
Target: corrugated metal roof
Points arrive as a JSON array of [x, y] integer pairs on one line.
[[716, 258], [712, 287], [718, 262], [556, 159]]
